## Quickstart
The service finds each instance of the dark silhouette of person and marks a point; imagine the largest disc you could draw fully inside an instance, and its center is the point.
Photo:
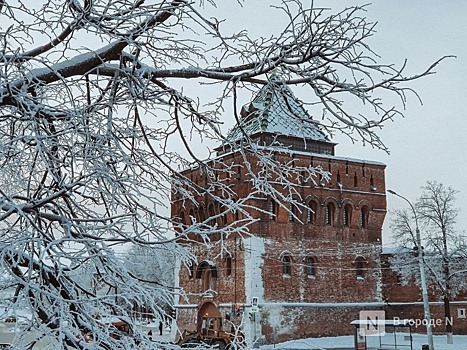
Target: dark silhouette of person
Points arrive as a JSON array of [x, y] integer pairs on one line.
[[160, 327]]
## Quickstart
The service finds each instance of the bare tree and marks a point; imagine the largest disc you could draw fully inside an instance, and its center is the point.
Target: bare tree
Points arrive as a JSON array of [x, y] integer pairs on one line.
[[154, 266], [443, 246], [95, 125], [436, 206]]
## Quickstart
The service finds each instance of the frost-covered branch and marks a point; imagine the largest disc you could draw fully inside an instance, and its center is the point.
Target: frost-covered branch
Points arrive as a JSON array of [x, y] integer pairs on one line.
[[102, 109], [443, 248]]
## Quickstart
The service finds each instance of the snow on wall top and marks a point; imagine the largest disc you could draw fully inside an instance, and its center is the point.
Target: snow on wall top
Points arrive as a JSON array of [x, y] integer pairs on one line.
[[387, 250], [275, 109]]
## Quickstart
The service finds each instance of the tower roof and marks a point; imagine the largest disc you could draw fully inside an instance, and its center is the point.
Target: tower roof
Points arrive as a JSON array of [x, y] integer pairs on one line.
[[275, 109]]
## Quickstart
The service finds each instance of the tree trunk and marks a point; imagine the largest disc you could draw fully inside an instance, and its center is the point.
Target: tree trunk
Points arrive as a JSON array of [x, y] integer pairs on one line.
[[448, 320]]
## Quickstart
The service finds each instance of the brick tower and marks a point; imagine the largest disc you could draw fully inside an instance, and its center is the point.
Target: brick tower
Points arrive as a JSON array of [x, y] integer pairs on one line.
[[304, 270]]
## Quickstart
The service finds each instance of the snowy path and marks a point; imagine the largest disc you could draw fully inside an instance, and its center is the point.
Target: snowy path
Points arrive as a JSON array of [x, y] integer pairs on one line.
[[166, 336], [338, 343], [347, 342]]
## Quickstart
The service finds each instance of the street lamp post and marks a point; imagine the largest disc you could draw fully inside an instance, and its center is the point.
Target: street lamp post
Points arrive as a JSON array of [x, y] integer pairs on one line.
[[421, 263]]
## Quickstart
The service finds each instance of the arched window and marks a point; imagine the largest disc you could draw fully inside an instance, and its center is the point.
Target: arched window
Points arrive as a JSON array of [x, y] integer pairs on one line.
[[312, 207], [355, 180], [329, 214], [206, 271], [211, 214], [347, 215], [201, 214], [207, 280], [310, 267], [360, 263], [286, 264], [364, 214], [181, 217]]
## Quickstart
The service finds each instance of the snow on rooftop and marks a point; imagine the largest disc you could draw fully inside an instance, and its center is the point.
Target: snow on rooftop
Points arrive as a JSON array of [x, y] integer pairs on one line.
[[326, 156], [306, 153], [391, 250], [276, 110]]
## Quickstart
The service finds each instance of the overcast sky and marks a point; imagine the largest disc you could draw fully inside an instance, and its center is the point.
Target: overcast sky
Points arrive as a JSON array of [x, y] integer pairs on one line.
[[431, 142]]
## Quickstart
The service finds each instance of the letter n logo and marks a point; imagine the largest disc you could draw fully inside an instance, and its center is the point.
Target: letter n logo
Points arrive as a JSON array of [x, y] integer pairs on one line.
[[372, 323]]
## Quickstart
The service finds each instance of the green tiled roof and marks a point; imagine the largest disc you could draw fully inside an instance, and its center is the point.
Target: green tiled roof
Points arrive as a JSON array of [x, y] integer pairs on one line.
[[276, 110]]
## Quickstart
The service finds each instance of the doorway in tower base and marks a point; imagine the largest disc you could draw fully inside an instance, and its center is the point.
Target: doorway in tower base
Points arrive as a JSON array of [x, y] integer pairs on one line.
[[207, 309]]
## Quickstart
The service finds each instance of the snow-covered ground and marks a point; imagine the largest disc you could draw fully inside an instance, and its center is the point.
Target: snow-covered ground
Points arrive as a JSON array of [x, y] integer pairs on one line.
[[343, 342], [460, 343]]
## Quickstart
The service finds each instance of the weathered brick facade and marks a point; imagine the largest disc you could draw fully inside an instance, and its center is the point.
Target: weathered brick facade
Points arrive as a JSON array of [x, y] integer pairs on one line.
[[404, 300], [312, 268], [331, 260]]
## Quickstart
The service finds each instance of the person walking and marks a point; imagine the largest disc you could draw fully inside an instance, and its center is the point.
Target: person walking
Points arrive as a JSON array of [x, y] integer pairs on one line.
[[161, 325]]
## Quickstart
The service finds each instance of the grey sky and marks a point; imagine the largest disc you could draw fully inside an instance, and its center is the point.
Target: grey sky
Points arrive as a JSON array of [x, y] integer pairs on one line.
[[431, 142]]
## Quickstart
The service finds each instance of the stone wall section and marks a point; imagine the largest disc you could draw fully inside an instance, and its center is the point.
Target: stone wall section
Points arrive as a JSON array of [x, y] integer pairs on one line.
[[299, 303]]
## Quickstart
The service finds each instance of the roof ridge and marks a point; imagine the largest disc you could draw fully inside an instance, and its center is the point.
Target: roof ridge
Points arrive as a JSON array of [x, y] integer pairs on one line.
[[275, 109], [264, 120]]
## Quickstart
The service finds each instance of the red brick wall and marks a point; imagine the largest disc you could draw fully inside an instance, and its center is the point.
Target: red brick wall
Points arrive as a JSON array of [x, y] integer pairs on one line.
[[307, 322], [335, 248], [415, 311], [405, 301], [394, 289], [230, 289], [335, 279]]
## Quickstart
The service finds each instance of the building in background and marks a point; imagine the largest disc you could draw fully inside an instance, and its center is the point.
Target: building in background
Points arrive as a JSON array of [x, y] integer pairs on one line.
[[305, 269], [403, 297]]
